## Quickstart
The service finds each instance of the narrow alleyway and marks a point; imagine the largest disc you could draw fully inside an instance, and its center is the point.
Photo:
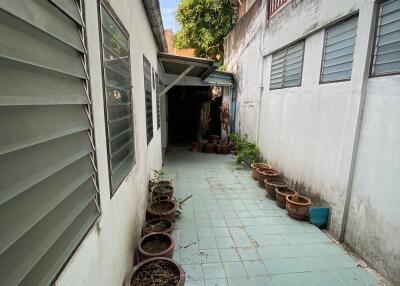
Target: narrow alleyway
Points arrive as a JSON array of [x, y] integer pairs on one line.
[[231, 234]]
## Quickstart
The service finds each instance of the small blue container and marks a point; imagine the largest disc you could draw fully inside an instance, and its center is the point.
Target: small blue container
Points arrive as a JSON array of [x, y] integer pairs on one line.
[[319, 216]]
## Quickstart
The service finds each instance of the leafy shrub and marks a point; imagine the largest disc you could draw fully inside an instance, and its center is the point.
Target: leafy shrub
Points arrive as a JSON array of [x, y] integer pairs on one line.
[[245, 151]]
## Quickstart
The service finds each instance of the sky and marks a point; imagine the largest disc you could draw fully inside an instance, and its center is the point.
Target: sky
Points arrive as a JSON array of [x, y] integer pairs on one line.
[[168, 10]]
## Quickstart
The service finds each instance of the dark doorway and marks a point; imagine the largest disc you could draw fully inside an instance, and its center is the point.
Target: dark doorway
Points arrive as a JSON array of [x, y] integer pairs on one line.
[[184, 106]]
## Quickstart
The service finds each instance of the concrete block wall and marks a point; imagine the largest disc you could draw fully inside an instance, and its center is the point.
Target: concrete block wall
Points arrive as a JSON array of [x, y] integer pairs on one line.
[[324, 139]]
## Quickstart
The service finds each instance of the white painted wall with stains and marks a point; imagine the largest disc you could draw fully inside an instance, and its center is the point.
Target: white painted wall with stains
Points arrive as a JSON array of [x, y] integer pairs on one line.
[[310, 133], [106, 254]]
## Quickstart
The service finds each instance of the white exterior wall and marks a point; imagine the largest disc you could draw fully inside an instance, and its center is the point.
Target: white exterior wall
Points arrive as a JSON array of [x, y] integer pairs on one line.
[[106, 254], [309, 132]]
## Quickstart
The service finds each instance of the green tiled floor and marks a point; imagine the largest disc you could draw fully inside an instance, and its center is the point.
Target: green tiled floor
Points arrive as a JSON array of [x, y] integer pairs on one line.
[[231, 234]]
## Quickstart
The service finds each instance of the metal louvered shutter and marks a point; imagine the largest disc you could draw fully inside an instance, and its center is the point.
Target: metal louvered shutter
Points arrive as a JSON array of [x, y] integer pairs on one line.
[[287, 65], [386, 59], [118, 98], [337, 62], [148, 99], [48, 193]]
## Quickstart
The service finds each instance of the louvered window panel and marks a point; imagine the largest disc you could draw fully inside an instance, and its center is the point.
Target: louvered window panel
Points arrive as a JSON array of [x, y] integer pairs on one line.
[[287, 65], [386, 59], [158, 101], [148, 98], [117, 86], [340, 40], [48, 193]]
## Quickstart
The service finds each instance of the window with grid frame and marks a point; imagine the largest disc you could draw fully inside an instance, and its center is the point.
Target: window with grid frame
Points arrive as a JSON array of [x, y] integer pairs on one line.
[[118, 98], [286, 67], [339, 44], [386, 56], [148, 98]]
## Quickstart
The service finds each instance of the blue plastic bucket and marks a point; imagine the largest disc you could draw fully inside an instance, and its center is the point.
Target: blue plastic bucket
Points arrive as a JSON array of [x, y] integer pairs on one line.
[[319, 216]]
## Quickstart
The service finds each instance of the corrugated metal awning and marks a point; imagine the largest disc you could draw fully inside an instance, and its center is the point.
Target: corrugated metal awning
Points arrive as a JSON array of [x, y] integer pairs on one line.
[[177, 65]]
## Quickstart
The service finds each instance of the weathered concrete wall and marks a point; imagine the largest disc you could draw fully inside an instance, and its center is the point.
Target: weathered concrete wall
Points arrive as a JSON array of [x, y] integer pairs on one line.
[[310, 132], [373, 228], [106, 254]]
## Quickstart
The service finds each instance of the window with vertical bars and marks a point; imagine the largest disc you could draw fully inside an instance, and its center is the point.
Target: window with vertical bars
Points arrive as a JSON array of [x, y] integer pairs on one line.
[[286, 68], [148, 98], [118, 98], [158, 101], [337, 61], [386, 57], [48, 177]]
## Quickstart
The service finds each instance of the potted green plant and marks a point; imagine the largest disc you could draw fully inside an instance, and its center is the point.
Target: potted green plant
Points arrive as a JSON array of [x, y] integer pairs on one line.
[[160, 271], [162, 209], [159, 185], [156, 244]]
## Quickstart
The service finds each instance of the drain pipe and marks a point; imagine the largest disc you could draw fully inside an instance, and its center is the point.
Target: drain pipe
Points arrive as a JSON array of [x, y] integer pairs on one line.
[[153, 12], [359, 121]]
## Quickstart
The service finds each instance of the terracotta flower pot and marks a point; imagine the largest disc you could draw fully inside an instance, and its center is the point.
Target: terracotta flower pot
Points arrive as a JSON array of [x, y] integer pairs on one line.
[[263, 174], [256, 166], [162, 209], [156, 244], [165, 190], [223, 148], [158, 225], [209, 147], [170, 273], [160, 198], [196, 147], [298, 206], [273, 183], [214, 138], [281, 195]]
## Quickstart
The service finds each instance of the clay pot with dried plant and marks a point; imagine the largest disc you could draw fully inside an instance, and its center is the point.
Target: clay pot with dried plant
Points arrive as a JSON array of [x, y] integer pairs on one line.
[[158, 225], [209, 147], [272, 184], [256, 166], [157, 198], [223, 148], [162, 209], [281, 195], [196, 147], [156, 244], [298, 206], [264, 174], [158, 271]]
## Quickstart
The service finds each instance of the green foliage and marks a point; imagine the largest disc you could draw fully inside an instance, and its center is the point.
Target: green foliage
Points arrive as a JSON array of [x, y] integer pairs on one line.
[[245, 151], [205, 24], [158, 183]]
